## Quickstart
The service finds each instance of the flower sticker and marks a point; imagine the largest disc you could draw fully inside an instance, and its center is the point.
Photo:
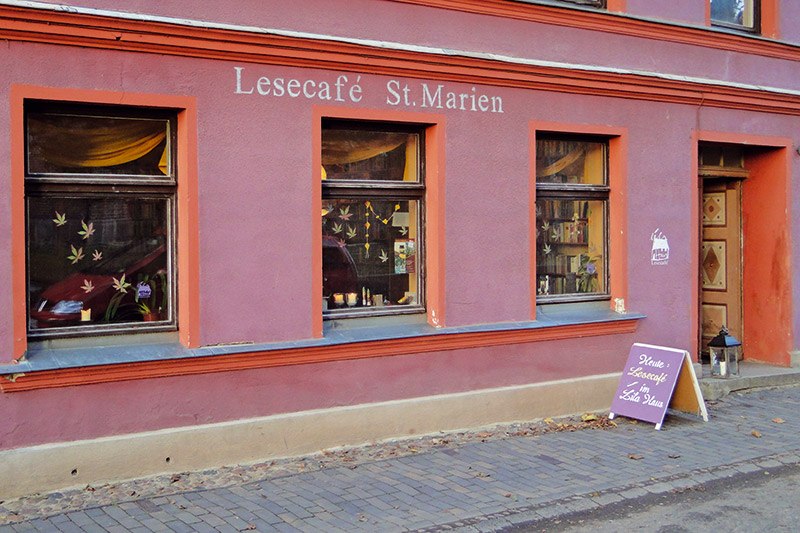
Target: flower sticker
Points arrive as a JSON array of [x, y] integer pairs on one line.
[[120, 284], [87, 231], [97, 255], [60, 219], [87, 286], [77, 255]]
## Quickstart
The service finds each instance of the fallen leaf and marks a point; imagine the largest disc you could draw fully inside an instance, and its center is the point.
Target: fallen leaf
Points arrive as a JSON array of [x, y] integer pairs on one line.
[[674, 456], [756, 433], [588, 417], [635, 456], [548, 420], [778, 420]]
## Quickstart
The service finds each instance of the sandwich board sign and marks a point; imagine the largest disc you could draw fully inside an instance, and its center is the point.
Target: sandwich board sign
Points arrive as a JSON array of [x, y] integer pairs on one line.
[[655, 378]]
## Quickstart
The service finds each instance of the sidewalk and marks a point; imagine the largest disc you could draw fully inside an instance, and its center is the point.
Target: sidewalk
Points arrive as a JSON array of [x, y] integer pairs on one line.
[[479, 481]]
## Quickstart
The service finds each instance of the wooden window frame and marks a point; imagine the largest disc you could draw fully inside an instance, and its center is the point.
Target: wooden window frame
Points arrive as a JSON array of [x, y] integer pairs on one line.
[[579, 192], [88, 185], [369, 189]]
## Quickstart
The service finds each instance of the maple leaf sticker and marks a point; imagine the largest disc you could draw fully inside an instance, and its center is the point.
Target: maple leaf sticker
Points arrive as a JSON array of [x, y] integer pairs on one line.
[[87, 286], [60, 219], [87, 231], [344, 213], [97, 255], [77, 255], [351, 232], [120, 284], [383, 256], [337, 228]]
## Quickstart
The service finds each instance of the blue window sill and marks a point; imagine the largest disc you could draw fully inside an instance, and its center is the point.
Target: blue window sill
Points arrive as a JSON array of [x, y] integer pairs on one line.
[[47, 358]]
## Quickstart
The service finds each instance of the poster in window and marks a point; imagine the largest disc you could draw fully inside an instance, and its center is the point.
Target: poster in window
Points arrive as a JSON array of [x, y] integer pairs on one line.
[[405, 256]]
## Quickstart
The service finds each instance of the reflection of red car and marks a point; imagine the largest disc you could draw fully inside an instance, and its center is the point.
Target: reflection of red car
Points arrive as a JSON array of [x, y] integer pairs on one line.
[[339, 273], [61, 303]]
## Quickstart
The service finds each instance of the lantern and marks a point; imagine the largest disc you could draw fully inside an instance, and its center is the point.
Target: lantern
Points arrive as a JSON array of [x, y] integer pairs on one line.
[[725, 349]]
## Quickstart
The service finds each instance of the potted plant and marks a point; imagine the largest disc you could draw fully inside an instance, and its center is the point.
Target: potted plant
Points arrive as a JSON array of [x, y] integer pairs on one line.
[[147, 296]]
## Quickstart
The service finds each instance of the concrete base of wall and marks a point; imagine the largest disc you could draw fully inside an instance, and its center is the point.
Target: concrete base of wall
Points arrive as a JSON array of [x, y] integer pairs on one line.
[[61, 465]]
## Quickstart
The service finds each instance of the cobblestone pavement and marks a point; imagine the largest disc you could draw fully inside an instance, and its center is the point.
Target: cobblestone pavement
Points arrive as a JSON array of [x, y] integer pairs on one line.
[[472, 481]]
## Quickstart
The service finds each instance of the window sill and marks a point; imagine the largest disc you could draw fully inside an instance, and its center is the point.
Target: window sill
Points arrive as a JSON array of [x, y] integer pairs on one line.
[[47, 367]]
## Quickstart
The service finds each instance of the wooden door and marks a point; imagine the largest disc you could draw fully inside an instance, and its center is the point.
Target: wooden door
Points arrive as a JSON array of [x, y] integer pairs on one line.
[[720, 259]]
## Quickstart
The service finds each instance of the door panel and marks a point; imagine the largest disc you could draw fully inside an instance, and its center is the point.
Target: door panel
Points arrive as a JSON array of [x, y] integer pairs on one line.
[[721, 260]]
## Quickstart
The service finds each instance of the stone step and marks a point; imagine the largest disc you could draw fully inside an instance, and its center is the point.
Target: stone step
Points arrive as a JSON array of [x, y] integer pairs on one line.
[[751, 376]]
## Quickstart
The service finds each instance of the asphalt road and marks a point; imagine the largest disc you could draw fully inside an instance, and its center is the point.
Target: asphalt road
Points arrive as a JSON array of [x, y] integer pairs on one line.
[[760, 501]]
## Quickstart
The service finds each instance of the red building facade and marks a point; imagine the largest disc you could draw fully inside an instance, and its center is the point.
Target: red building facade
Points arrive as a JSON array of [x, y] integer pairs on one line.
[[241, 231]]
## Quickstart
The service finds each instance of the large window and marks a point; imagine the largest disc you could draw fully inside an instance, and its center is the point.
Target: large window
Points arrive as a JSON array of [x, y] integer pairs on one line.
[[100, 202], [571, 218], [372, 216], [737, 14]]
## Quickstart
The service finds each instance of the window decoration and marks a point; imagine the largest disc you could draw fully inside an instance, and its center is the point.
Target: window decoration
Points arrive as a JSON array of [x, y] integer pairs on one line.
[[592, 3], [571, 218], [100, 193], [373, 194], [736, 14]]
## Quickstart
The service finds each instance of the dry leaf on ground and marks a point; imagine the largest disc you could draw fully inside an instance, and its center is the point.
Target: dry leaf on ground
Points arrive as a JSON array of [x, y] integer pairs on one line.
[[756, 433]]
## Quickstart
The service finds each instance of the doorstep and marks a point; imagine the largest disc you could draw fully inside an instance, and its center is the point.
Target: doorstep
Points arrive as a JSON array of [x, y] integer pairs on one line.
[[751, 376]]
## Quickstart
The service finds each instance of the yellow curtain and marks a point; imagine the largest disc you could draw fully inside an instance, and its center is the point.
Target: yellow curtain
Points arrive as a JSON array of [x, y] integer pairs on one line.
[[348, 146], [76, 142], [561, 164]]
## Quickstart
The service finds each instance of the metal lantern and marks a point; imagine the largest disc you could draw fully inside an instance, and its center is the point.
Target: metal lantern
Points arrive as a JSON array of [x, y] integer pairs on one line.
[[725, 349]]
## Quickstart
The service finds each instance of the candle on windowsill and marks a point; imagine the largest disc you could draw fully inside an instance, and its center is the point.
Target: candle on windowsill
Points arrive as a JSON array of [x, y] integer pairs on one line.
[[338, 298], [86, 315]]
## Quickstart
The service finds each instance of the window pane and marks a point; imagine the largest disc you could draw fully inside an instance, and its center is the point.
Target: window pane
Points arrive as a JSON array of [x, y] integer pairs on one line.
[[738, 12], [104, 256], [570, 246], [79, 144], [369, 155], [573, 162], [370, 253]]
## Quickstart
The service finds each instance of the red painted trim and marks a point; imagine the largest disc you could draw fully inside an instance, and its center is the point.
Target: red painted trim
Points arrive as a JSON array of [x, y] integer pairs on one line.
[[620, 6], [18, 253], [297, 356], [434, 202], [187, 239], [622, 25], [19, 24], [770, 19], [618, 203], [695, 235], [766, 225]]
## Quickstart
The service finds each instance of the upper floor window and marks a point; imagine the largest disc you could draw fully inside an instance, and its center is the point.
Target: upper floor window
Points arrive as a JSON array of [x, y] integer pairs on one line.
[[100, 203], [373, 193], [572, 196], [736, 14]]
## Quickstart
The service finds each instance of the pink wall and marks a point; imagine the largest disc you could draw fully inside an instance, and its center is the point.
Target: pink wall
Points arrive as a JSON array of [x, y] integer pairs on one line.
[[682, 11], [405, 23], [256, 224]]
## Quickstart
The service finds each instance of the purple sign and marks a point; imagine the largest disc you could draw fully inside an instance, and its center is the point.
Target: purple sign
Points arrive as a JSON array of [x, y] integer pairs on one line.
[[647, 383]]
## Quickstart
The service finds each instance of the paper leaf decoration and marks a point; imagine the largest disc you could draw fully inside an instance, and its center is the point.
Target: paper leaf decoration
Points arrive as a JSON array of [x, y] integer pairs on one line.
[[337, 228], [76, 255], [344, 213], [351, 232], [383, 256], [87, 286], [87, 231], [97, 255], [120, 284], [60, 219]]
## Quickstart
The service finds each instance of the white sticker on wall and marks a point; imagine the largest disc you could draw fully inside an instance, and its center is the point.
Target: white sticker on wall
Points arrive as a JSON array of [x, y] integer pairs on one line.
[[660, 251]]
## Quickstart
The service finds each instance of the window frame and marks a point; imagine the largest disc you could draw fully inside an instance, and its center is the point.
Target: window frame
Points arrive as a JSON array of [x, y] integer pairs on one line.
[[384, 190], [576, 192], [754, 29], [103, 185]]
